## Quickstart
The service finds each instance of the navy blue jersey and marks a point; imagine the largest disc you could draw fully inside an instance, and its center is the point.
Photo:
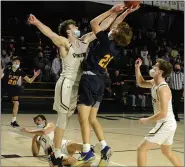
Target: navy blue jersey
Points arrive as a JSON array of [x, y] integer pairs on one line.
[[11, 77], [99, 57]]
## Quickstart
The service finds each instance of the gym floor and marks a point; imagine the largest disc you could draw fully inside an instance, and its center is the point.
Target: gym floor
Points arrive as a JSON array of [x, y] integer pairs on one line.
[[123, 133]]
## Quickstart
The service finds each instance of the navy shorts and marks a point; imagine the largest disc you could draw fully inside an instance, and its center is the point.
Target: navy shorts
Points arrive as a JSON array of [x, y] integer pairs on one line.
[[91, 89]]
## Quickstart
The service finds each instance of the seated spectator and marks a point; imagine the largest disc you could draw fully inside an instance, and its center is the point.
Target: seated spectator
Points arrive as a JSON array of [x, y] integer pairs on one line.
[[166, 57], [47, 52], [22, 47], [117, 83], [147, 63], [45, 67], [144, 53], [56, 67], [6, 59], [174, 52], [108, 91], [136, 92]]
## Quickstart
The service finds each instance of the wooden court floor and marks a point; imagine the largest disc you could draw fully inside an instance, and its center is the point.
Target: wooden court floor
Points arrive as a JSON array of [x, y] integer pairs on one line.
[[123, 134]]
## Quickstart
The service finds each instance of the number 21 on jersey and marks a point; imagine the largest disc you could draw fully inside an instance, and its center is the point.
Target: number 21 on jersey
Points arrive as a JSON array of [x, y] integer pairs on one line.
[[105, 61]]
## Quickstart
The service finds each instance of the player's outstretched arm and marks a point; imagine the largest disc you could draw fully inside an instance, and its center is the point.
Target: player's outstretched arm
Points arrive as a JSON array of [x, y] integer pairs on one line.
[[30, 80], [95, 23], [139, 78], [57, 40], [35, 146], [122, 16], [48, 129], [105, 24]]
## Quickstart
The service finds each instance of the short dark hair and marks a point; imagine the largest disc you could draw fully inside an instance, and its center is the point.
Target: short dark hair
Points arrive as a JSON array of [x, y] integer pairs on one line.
[[124, 34], [165, 66], [41, 116], [14, 58], [64, 26]]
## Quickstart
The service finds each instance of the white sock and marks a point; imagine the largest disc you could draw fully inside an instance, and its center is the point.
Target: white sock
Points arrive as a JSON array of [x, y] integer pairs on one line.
[[86, 148], [103, 144], [13, 119], [57, 153]]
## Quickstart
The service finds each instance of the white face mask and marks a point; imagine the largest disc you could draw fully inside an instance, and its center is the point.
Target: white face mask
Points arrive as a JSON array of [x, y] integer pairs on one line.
[[16, 66], [152, 73], [41, 126], [77, 33]]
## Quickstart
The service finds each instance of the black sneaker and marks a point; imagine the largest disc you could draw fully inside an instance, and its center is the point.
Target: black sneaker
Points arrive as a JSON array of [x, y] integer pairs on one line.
[[14, 124], [57, 162]]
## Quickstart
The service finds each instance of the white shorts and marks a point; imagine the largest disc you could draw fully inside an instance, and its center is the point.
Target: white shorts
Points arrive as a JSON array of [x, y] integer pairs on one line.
[[162, 133], [65, 99]]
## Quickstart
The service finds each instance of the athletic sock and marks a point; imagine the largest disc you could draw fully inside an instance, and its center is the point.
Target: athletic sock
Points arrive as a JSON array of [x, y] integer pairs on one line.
[[57, 153], [13, 119], [86, 148], [103, 144]]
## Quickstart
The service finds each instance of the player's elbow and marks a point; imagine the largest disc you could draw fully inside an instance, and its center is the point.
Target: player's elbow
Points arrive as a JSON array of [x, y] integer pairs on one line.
[[45, 132], [140, 84], [93, 23]]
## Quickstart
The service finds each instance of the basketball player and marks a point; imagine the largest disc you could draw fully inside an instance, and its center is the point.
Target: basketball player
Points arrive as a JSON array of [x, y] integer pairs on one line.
[[9, 83], [91, 86], [72, 51], [44, 135], [163, 133]]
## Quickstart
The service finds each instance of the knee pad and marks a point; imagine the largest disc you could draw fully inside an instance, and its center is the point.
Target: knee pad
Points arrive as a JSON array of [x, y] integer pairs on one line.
[[62, 120]]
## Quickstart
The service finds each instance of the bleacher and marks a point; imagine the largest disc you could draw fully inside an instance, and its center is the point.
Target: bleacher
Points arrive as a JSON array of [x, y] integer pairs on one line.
[[40, 95]]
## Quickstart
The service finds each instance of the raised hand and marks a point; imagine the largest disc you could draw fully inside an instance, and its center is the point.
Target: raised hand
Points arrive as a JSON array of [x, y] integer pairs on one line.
[[36, 73], [32, 20], [118, 8], [138, 62], [132, 9]]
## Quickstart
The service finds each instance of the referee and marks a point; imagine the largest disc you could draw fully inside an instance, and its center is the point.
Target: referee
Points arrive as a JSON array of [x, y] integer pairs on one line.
[[176, 83]]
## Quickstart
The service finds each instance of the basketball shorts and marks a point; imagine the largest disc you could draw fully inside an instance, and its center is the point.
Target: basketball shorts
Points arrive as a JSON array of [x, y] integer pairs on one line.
[[13, 91], [162, 133], [91, 89], [66, 93]]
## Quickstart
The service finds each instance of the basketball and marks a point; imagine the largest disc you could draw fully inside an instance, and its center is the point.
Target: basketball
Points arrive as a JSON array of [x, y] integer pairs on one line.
[[132, 3]]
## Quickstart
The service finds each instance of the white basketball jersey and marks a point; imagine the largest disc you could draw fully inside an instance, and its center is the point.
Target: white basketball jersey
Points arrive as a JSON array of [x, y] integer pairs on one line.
[[156, 105], [71, 64], [46, 141]]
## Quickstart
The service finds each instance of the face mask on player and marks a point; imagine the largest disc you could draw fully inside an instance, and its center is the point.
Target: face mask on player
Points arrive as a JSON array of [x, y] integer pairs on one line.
[[16, 66], [77, 33], [41, 126], [152, 73]]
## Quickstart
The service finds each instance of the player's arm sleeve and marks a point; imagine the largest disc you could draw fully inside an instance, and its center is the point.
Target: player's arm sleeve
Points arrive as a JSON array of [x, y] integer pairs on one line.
[[103, 38]]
